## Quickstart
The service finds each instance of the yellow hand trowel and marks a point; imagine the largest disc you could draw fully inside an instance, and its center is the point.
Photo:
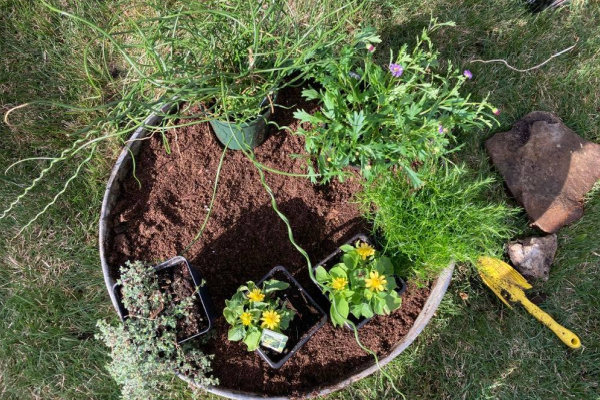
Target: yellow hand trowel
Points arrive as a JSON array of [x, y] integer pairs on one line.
[[508, 285]]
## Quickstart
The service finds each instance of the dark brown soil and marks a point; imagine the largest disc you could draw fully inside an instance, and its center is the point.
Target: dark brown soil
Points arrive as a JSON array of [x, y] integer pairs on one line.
[[245, 238]]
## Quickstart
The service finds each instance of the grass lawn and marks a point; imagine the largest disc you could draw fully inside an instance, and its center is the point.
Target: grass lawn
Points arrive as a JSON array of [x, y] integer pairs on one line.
[[51, 286]]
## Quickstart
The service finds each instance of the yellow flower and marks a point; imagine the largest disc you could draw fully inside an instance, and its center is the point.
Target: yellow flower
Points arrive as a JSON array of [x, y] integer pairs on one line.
[[256, 295], [270, 319], [375, 282], [339, 283], [246, 318], [364, 250]]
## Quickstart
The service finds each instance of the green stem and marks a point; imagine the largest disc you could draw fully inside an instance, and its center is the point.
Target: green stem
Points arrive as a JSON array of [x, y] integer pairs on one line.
[[282, 216], [212, 201], [64, 189]]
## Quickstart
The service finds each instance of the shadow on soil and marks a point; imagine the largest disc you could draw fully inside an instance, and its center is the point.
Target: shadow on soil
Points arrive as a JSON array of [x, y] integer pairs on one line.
[[259, 241]]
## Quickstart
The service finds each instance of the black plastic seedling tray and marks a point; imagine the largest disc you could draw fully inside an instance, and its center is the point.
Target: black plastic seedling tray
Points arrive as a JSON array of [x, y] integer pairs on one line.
[[327, 263], [277, 360], [201, 292]]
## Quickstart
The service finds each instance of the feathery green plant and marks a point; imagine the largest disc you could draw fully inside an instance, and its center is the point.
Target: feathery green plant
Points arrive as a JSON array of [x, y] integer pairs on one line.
[[448, 218]]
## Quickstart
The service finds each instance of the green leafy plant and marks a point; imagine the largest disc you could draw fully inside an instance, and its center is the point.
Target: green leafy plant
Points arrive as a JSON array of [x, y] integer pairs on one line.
[[251, 309], [229, 56], [450, 218], [144, 349], [247, 63], [361, 284], [378, 118]]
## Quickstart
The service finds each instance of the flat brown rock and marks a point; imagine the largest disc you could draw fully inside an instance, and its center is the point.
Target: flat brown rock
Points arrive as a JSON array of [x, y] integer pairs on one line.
[[547, 167]]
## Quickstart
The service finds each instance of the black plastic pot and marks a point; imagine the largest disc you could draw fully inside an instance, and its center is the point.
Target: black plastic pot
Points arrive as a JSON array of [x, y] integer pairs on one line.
[[331, 260], [245, 135], [277, 360], [201, 292]]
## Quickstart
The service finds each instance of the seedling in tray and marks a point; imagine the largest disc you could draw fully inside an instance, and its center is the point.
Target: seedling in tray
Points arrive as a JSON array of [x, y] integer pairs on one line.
[[160, 307], [274, 317], [359, 283], [179, 282]]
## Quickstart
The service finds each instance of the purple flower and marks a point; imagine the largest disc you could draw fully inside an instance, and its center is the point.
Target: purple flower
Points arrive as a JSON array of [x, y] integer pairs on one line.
[[353, 75], [441, 128], [468, 74], [396, 70], [370, 48], [496, 111]]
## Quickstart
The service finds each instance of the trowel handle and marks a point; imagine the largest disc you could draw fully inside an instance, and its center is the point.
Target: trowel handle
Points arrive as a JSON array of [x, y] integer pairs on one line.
[[568, 337]]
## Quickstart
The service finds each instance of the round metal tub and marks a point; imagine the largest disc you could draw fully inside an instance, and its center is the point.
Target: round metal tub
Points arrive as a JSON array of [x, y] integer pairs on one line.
[[122, 169]]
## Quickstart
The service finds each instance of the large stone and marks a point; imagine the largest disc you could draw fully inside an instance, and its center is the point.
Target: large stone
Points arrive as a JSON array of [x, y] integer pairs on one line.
[[533, 256], [547, 167]]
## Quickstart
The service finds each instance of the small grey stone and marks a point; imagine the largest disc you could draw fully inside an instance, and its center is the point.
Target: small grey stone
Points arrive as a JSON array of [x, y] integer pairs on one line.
[[533, 256], [547, 167]]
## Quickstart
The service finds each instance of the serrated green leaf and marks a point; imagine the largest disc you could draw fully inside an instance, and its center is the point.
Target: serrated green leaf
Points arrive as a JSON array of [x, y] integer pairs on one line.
[[412, 175], [310, 94], [328, 102], [303, 116]]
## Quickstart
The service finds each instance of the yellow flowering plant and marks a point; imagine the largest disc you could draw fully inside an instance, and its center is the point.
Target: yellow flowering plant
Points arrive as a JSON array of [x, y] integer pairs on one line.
[[361, 284], [252, 309]]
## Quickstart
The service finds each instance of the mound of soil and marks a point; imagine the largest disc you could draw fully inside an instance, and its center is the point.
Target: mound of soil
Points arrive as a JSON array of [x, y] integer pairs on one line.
[[245, 238]]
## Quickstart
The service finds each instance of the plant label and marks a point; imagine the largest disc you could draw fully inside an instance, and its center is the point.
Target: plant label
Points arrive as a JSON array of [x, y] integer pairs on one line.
[[273, 340]]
